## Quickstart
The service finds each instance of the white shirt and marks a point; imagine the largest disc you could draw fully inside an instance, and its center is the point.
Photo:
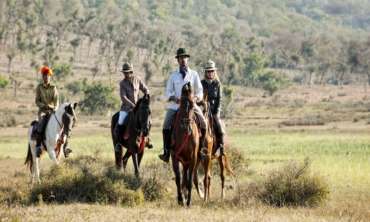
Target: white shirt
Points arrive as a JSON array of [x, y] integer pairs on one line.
[[176, 82]]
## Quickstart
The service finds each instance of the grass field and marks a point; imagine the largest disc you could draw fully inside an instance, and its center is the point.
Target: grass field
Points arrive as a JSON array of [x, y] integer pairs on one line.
[[341, 157]]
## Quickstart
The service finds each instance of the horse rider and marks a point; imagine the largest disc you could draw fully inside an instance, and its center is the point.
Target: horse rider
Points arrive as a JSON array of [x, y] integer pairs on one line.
[[130, 87], [177, 79], [212, 87], [47, 101]]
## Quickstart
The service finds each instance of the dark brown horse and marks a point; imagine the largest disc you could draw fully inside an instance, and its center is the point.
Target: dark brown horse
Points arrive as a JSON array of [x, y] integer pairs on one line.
[[138, 128], [212, 146], [186, 145]]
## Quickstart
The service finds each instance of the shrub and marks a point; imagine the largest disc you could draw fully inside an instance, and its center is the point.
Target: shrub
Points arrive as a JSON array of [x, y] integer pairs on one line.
[[76, 87], [3, 82], [61, 71], [271, 82], [8, 121], [98, 98], [90, 179], [294, 185]]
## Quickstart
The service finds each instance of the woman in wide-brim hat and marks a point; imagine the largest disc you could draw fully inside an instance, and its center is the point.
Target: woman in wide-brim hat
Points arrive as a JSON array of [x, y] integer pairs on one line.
[[213, 88]]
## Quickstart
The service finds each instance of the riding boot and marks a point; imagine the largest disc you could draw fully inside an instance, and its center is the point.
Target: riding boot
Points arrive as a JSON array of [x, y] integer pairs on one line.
[[118, 131], [38, 145], [166, 146], [202, 145]]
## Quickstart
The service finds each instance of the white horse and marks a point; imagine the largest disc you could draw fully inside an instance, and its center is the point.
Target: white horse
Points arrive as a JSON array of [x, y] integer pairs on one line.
[[57, 130]]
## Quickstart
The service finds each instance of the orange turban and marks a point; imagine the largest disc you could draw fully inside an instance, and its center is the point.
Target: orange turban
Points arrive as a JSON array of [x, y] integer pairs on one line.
[[46, 70]]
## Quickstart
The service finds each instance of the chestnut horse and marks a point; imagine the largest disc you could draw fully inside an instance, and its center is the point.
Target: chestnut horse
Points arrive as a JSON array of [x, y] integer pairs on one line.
[[186, 145], [212, 146], [137, 128]]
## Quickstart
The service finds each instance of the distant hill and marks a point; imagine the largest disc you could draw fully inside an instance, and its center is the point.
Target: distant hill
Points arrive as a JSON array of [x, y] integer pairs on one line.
[[96, 36]]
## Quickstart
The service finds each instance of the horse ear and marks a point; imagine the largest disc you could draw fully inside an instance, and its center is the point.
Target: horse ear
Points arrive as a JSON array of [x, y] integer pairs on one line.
[[75, 105]]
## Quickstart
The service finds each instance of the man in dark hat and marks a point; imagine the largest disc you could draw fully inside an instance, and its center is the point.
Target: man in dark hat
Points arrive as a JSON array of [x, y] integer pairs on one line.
[[177, 79], [130, 87]]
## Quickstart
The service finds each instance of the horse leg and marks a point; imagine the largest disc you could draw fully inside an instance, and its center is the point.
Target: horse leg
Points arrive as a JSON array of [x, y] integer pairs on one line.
[[136, 164], [118, 156], [222, 175], [189, 183], [176, 170], [52, 154], [206, 166], [140, 156], [124, 160], [196, 181]]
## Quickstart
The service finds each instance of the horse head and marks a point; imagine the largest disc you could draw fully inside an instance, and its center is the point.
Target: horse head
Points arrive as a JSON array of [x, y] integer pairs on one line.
[[142, 111], [69, 118], [186, 106]]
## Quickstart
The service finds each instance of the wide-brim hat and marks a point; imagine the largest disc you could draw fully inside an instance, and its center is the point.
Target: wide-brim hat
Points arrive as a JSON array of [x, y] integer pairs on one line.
[[181, 52], [45, 70], [210, 66], [127, 67]]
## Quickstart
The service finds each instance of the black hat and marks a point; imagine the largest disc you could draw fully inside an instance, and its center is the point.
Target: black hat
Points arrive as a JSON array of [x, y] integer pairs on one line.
[[127, 67], [181, 52]]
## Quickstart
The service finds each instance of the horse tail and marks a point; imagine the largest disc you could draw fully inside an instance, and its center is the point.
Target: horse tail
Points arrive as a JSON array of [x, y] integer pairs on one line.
[[227, 165], [29, 159], [112, 125]]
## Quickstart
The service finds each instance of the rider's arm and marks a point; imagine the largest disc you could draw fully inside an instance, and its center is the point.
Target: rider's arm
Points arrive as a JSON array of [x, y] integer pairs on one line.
[[38, 100]]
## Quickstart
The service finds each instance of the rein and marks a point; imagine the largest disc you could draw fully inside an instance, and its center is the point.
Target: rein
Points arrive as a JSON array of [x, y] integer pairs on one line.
[[185, 139]]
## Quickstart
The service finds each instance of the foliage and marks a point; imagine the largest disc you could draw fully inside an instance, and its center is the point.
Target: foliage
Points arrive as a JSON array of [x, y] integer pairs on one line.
[[90, 179], [271, 81], [62, 71], [294, 185], [3, 82], [77, 87], [98, 98]]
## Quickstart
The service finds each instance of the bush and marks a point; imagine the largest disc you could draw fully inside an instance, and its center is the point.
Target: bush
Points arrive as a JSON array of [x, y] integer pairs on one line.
[[61, 71], [91, 180], [294, 185], [271, 82], [98, 98], [3, 82], [76, 87], [8, 121]]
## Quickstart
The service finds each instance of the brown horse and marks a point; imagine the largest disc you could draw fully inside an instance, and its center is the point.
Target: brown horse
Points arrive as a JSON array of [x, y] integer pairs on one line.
[[212, 146], [186, 145], [138, 128]]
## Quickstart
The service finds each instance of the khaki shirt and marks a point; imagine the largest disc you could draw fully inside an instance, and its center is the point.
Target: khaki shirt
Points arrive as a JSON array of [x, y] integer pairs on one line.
[[46, 98], [130, 90]]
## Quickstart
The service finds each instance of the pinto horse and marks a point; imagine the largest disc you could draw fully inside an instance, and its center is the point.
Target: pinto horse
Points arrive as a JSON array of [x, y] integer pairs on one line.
[[137, 128], [186, 145], [212, 146], [57, 130]]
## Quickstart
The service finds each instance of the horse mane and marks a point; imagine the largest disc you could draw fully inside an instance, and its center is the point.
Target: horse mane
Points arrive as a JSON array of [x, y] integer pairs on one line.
[[136, 108]]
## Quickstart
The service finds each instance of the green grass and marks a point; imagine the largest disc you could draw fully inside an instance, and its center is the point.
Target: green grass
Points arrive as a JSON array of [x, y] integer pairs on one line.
[[342, 158]]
